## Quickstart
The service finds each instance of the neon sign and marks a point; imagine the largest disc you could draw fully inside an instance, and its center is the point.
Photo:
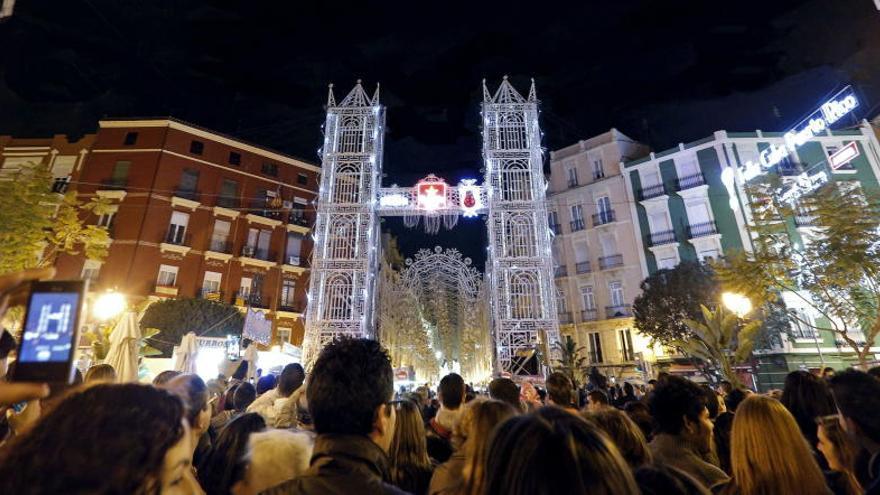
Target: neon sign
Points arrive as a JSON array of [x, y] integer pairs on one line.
[[469, 197], [837, 107], [844, 155]]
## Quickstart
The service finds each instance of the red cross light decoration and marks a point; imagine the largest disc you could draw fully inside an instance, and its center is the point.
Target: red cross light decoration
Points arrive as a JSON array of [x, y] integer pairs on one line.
[[431, 193]]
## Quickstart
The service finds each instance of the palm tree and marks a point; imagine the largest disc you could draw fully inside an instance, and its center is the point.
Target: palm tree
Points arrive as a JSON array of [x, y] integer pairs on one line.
[[571, 362]]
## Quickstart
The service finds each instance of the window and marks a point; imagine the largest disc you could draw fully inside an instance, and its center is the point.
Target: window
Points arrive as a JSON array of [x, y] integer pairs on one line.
[[189, 181], [288, 293], [698, 213], [167, 276], [269, 169], [553, 219], [603, 207], [561, 303], [801, 324], [284, 334], [91, 270], [302, 179], [196, 147], [106, 220], [572, 177], [581, 252], [650, 178], [626, 345], [294, 246], [609, 245], [616, 290], [130, 138], [120, 173], [595, 347], [228, 194], [177, 227], [687, 166], [258, 244], [588, 298], [234, 158], [598, 169], [220, 236], [211, 283], [244, 287], [577, 213], [658, 222]]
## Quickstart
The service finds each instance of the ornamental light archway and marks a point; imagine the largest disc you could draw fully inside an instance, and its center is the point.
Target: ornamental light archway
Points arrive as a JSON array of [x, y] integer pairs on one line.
[[345, 260]]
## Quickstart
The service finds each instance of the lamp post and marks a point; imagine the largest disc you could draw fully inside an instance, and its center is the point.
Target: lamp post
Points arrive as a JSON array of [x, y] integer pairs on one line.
[[108, 305], [739, 304]]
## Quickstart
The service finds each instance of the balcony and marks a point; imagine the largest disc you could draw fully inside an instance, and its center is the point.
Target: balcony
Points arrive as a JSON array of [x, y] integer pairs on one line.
[[264, 211], [589, 315], [166, 290], [297, 222], [654, 191], [701, 229], [211, 294], [572, 183], [608, 262], [603, 217], [257, 253], [598, 174], [619, 311], [661, 238], [114, 184], [561, 271], [220, 244], [689, 181], [60, 185], [555, 228], [227, 202], [177, 237], [564, 318], [290, 307], [583, 267], [188, 194], [251, 299], [577, 224]]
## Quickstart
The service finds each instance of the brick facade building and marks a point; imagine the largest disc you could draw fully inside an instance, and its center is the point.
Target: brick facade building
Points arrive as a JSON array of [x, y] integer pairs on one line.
[[200, 214]]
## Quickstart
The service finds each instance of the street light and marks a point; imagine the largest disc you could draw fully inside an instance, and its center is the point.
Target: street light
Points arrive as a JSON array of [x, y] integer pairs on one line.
[[108, 305], [438, 354], [737, 303]]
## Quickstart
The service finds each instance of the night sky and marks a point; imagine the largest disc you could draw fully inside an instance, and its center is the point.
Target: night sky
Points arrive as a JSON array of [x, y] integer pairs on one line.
[[661, 71]]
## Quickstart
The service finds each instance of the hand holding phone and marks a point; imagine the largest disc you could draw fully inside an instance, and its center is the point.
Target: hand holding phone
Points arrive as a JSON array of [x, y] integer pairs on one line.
[[50, 332]]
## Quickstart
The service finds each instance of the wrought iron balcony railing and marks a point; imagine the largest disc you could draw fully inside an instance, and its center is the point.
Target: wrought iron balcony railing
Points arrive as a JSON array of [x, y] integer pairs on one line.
[[652, 191], [114, 183], [689, 181], [177, 236], [661, 238], [565, 318], [257, 253], [603, 217], [589, 315], [189, 194], [577, 224], [220, 244], [561, 271], [619, 311], [701, 229], [252, 299], [612, 261], [583, 267]]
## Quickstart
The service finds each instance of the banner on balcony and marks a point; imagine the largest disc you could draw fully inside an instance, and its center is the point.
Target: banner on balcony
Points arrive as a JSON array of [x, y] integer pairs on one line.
[[257, 327]]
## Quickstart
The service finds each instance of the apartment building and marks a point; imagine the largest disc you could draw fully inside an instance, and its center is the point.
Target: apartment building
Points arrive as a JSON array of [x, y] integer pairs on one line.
[[196, 213], [597, 263], [62, 155], [685, 210]]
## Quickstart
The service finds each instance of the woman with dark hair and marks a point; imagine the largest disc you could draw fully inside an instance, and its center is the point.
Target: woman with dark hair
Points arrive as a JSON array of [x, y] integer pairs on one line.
[[565, 454], [411, 468], [625, 434], [194, 393], [104, 439], [840, 454], [807, 397], [224, 466]]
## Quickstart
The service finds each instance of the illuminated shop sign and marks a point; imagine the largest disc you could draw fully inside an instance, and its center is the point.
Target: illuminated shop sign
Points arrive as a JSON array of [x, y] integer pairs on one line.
[[843, 156]]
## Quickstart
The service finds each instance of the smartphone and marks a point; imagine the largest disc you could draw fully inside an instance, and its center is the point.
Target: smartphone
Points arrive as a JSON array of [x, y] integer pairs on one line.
[[51, 332], [233, 347]]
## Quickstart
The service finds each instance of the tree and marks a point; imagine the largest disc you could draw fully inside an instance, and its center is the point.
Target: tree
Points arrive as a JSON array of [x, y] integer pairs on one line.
[[671, 296], [835, 270], [570, 362], [175, 317], [721, 340], [38, 224]]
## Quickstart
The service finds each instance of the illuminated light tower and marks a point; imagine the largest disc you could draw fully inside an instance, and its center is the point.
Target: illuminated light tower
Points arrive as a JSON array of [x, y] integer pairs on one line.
[[342, 295]]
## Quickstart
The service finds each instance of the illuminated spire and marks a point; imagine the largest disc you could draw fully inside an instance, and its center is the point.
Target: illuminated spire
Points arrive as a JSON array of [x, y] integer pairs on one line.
[[331, 100], [506, 94], [357, 97]]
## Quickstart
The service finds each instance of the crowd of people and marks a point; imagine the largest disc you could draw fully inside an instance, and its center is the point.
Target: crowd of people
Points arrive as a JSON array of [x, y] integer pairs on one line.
[[343, 429]]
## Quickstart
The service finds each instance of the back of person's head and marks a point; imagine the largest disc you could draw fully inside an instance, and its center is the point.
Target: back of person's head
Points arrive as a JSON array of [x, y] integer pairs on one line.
[[349, 381], [721, 433], [276, 456], [598, 397], [292, 377], [241, 371], [451, 391], [807, 397], [266, 383], [725, 387], [409, 449], [565, 454], [733, 399], [768, 454], [857, 395], [560, 390], [224, 466], [194, 393], [874, 371], [473, 433], [100, 373], [101, 439], [628, 388], [165, 377], [504, 389], [674, 399], [712, 403], [624, 433], [244, 395], [662, 480]]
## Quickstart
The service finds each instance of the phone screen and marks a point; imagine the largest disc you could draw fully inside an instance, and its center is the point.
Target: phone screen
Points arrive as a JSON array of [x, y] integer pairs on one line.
[[49, 328]]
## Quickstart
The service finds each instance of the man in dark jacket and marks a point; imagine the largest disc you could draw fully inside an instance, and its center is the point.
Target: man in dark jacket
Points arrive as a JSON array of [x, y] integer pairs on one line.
[[857, 395], [349, 394]]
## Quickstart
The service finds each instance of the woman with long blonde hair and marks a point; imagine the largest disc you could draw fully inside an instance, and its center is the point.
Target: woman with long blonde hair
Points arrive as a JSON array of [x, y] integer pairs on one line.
[[768, 453]]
